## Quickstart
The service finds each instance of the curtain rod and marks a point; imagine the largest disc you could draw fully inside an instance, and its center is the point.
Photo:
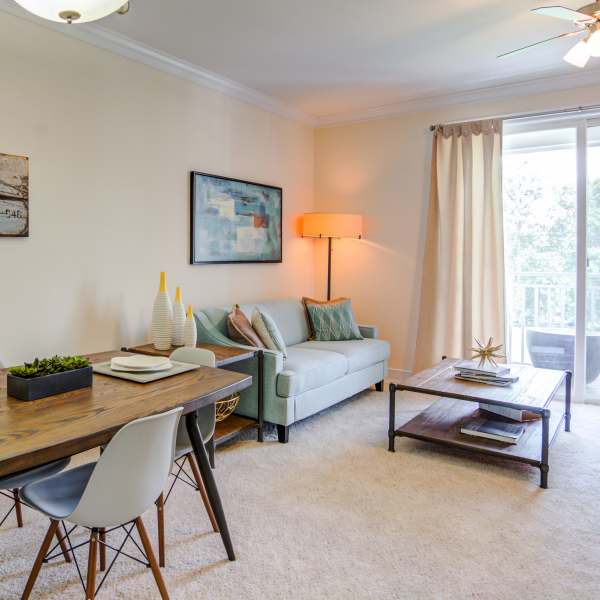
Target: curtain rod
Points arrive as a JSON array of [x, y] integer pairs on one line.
[[547, 113]]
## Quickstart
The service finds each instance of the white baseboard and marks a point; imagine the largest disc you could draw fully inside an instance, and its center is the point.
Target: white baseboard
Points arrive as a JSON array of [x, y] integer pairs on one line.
[[398, 374]]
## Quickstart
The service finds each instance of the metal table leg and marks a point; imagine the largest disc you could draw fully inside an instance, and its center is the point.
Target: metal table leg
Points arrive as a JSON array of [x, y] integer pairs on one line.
[[545, 467], [191, 422], [392, 423], [568, 377], [210, 449], [261, 359]]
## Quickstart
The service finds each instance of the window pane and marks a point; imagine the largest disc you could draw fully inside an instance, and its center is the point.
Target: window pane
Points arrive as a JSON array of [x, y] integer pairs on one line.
[[540, 206]]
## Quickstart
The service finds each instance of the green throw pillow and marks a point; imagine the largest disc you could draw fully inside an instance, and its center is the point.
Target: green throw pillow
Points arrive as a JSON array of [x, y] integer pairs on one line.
[[332, 321]]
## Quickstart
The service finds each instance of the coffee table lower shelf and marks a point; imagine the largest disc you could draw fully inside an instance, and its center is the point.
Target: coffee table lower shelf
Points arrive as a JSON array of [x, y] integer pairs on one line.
[[440, 423]]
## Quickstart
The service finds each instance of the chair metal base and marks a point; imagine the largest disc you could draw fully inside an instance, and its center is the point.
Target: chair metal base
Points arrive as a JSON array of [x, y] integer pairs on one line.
[[97, 540], [17, 505], [197, 484]]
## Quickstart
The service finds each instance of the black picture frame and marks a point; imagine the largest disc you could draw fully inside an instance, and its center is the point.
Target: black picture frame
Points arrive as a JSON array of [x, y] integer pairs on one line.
[[194, 259]]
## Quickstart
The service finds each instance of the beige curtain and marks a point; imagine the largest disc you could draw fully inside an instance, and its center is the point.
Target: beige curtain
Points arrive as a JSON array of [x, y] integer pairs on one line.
[[462, 289]]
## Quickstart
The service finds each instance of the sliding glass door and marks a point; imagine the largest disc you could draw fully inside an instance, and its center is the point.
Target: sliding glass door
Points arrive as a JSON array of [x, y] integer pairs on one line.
[[551, 179]]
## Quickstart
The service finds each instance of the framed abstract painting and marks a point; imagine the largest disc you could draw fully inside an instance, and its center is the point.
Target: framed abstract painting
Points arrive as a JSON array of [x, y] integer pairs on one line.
[[14, 196], [234, 221]]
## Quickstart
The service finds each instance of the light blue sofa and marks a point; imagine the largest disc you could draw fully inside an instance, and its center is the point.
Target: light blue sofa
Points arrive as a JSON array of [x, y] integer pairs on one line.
[[314, 376]]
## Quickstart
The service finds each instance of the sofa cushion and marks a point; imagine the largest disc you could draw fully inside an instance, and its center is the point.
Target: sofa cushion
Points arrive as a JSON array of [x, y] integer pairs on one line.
[[268, 331], [359, 353], [306, 369], [240, 329], [289, 316], [332, 320]]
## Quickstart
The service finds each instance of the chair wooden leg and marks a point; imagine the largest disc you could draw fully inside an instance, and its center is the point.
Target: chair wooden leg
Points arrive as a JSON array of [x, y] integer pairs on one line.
[[90, 586], [102, 549], [200, 484], [160, 519], [37, 565], [162, 588], [18, 507], [63, 546]]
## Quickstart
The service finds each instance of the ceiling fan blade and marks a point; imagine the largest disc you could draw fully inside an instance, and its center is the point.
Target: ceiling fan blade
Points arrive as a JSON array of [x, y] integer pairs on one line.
[[561, 12], [556, 37]]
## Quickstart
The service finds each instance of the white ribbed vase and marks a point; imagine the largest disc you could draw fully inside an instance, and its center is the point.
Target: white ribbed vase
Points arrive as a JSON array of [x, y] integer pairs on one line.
[[190, 335], [178, 319], [162, 317]]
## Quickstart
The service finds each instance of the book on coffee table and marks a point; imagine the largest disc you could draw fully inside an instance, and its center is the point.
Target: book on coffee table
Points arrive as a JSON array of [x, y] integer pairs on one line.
[[475, 368], [493, 429], [470, 370]]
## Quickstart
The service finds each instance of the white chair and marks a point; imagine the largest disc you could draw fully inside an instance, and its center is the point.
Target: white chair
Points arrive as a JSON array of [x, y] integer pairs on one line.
[[184, 451], [110, 493], [10, 486]]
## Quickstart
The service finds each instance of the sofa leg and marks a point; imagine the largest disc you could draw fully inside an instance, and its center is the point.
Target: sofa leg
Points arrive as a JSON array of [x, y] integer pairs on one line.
[[283, 433], [379, 386]]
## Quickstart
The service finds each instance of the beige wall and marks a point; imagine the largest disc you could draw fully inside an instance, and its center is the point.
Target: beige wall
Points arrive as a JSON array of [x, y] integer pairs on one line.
[[111, 143], [381, 168]]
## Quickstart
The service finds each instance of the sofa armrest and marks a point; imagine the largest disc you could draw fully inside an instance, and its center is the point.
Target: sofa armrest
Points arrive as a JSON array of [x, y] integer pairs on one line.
[[272, 366], [369, 331]]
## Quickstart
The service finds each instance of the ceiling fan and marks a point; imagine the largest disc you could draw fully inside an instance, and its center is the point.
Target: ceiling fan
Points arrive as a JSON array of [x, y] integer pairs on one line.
[[586, 20]]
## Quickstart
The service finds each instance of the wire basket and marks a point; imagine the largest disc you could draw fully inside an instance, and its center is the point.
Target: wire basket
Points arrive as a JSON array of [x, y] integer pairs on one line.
[[226, 406]]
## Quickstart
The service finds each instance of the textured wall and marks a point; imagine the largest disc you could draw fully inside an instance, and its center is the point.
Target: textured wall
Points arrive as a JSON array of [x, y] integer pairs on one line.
[[111, 143]]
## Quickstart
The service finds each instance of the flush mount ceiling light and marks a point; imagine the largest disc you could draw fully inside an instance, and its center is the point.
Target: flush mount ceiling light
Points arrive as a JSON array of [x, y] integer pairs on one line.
[[586, 20], [71, 11]]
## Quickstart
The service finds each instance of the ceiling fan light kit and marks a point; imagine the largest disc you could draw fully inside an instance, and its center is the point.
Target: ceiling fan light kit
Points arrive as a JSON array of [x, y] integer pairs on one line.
[[587, 21], [593, 43], [578, 55], [74, 11]]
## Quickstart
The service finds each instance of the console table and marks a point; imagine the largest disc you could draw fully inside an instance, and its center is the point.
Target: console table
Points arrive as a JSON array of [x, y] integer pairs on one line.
[[224, 356]]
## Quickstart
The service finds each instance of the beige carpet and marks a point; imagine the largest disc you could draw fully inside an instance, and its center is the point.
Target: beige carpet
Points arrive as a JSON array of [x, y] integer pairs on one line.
[[334, 515]]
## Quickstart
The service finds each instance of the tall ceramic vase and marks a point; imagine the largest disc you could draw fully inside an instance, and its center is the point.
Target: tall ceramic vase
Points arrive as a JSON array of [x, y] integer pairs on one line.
[[178, 319], [162, 317], [190, 335]]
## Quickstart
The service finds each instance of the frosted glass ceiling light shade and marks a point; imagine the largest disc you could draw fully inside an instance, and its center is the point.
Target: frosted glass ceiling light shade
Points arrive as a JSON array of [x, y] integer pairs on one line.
[[80, 11], [593, 44], [578, 55]]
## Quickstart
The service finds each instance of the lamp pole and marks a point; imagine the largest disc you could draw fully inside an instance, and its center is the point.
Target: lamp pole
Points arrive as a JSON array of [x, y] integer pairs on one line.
[[329, 243]]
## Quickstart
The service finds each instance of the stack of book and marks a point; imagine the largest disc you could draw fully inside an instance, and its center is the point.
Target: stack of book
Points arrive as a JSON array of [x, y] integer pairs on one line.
[[470, 370], [493, 429]]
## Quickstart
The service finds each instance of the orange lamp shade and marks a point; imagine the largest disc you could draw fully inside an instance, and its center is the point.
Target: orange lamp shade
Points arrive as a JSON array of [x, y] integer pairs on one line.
[[332, 225]]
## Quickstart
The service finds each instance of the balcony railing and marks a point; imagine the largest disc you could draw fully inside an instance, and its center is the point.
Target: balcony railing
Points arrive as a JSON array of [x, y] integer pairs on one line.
[[547, 300]]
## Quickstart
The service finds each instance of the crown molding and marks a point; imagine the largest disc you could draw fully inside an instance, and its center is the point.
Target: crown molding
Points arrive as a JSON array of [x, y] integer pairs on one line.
[[523, 88], [129, 48]]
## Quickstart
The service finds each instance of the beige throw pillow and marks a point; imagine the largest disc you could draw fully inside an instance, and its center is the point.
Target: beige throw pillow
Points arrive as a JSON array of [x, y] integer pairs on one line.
[[240, 329]]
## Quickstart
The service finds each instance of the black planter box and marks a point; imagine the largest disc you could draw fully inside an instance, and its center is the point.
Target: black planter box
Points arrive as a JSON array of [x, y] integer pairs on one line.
[[48, 385]]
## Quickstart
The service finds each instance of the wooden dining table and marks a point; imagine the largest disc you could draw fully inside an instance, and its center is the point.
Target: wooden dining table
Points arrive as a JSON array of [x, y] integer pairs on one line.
[[37, 432]]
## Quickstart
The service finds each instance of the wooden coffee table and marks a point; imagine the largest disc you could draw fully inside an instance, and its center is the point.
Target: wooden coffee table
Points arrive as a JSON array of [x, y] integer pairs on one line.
[[440, 423]]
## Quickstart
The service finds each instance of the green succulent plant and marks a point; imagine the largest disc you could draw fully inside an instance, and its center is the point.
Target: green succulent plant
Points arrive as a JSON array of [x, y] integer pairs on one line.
[[49, 366]]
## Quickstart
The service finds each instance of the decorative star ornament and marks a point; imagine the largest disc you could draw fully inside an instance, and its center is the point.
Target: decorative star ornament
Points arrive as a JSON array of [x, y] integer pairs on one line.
[[489, 352]]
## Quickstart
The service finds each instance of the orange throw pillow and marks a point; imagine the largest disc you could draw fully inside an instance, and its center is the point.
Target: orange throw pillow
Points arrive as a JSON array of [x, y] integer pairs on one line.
[[240, 329]]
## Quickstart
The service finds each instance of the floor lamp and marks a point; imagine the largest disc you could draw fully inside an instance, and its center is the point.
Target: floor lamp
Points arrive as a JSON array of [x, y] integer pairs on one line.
[[330, 226]]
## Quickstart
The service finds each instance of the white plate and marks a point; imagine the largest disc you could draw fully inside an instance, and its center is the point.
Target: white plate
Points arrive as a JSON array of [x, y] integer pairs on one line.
[[140, 362], [166, 367]]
